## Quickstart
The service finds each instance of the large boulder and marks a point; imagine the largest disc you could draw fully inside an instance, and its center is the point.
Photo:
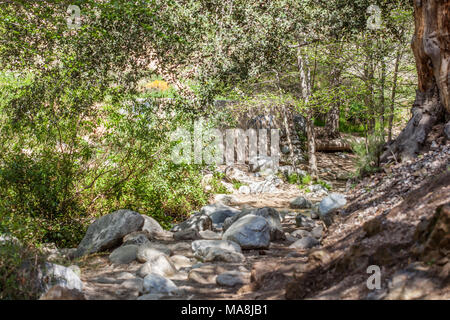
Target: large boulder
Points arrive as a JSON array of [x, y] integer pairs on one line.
[[271, 215], [329, 204], [57, 275], [155, 283], [160, 265], [151, 225], [250, 232], [197, 221], [147, 251], [218, 213], [124, 254], [300, 203], [107, 232]]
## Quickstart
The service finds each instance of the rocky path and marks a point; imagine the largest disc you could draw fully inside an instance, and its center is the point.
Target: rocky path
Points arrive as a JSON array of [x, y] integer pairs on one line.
[[194, 279], [288, 243], [221, 275]]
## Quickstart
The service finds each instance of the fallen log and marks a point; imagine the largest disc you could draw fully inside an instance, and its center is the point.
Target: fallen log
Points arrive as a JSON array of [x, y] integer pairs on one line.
[[337, 145]]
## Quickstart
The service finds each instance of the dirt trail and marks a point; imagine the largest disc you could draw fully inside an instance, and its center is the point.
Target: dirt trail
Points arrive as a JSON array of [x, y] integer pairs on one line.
[[398, 198], [103, 280]]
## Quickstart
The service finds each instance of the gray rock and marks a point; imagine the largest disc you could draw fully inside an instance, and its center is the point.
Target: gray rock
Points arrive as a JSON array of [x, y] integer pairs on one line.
[[328, 205], [108, 231], [187, 234], [197, 221], [210, 235], [147, 251], [233, 278], [181, 248], [304, 243], [298, 234], [180, 261], [318, 190], [218, 213], [57, 275], [124, 254], [290, 238], [155, 283], [269, 185], [304, 222], [250, 232], [136, 238], [332, 202], [317, 232], [285, 150], [122, 276], [135, 284], [225, 199], [271, 215], [76, 269], [214, 254], [151, 225], [160, 265], [222, 244], [300, 203]]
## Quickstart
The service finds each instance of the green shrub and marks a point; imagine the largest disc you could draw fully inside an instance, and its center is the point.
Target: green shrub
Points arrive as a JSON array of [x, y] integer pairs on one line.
[[18, 271], [324, 184], [368, 154]]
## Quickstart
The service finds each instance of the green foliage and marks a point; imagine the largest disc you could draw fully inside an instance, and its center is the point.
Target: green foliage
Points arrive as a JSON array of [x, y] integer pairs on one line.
[[306, 180], [238, 184], [216, 184], [324, 184], [79, 138], [18, 271], [368, 154]]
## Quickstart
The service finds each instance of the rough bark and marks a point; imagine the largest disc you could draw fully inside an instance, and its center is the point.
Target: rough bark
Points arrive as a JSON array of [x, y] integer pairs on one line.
[[332, 120], [305, 88], [431, 47], [393, 94]]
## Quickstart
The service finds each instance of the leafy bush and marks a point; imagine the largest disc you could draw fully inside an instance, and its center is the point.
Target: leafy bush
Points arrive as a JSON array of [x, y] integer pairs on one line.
[[18, 271], [368, 154], [324, 184]]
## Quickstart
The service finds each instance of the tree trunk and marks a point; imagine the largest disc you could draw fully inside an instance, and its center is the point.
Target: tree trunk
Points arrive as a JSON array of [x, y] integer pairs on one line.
[[332, 119], [393, 94], [382, 100], [305, 88], [431, 47]]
